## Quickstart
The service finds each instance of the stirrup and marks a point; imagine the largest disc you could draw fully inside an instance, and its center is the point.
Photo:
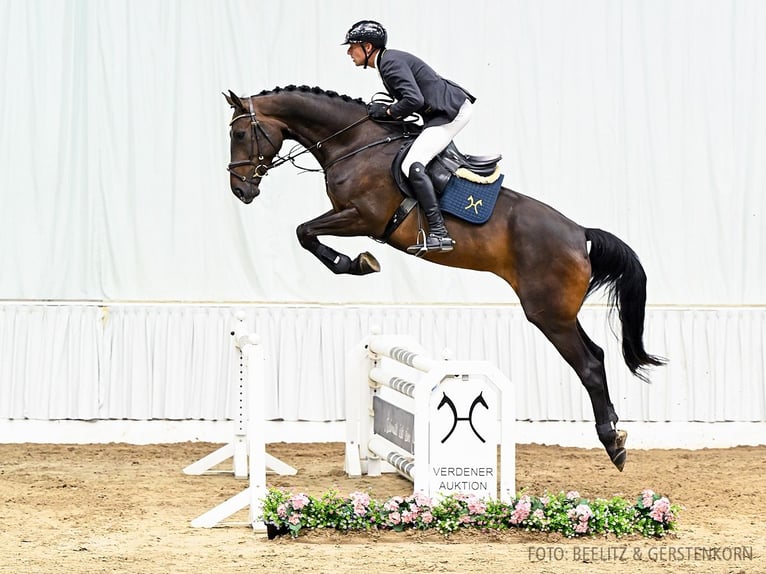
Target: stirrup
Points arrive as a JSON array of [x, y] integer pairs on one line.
[[431, 243], [420, 248]]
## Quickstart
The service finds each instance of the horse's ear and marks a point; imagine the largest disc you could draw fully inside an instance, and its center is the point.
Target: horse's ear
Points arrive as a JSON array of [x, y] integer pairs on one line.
[[233, 100]]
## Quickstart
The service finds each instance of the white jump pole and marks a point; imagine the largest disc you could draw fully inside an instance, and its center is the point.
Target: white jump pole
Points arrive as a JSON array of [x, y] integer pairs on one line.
[[408, 353]]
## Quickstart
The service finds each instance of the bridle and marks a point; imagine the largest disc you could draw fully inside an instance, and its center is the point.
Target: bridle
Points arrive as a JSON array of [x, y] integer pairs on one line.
[[260, 169]]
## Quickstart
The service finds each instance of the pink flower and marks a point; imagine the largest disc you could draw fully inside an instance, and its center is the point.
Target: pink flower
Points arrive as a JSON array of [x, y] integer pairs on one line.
[[294, 519], [408, 516], [427, 517], [583, 511], [521, 510], [393, 503], [476, 506], [299, 501], [573, 495], [360, 498], [281, 510], [661, 510], [394, 518], [361, 502], [539, 514], [360, 509], [422, 499], [466, 519], [544, 500], [647, 498]]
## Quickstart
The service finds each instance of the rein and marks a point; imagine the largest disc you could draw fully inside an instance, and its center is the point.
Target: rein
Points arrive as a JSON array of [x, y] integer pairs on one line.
[[361, 149], [260, 170]]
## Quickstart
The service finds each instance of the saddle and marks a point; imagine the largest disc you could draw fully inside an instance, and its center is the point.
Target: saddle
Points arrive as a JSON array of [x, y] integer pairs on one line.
[[480, 169], [467, 185]]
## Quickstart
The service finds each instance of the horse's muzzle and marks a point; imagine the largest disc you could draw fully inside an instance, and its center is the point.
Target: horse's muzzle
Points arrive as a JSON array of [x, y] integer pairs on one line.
[[245, 192], [246, 188]]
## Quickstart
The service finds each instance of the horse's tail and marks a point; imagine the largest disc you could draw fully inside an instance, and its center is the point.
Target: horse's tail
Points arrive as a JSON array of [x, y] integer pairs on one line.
[[616, 266]]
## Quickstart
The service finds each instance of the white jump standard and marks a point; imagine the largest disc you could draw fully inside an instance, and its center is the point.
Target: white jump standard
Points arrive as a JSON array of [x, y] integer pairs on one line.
[[438, 423], [248, 449]]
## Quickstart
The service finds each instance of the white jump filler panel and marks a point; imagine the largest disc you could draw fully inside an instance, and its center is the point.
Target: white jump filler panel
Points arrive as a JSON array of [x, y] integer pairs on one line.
[[440, 423]]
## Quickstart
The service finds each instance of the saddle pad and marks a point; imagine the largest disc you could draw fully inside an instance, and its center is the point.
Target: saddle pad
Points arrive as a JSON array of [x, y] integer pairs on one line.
[[470, 201]]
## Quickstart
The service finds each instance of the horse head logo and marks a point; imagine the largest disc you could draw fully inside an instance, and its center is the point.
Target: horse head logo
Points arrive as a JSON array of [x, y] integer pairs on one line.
[[479, 400], [474, 204]]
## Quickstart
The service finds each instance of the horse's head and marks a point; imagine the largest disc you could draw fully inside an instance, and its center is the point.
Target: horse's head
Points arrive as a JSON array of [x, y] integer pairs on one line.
[[255, 141]]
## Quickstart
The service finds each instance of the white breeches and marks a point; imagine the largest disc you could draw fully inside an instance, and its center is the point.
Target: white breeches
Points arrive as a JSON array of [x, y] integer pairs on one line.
[[435, 138]]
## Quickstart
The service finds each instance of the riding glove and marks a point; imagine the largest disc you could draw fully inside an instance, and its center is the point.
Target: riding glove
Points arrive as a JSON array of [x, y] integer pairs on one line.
[[378, 110]]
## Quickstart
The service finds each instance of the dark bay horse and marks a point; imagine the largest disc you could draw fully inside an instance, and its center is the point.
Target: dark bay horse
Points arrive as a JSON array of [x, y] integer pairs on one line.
[[544, 256]]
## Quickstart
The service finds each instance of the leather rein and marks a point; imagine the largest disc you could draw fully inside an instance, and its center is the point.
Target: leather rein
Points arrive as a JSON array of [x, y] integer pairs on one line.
[[261, 170]]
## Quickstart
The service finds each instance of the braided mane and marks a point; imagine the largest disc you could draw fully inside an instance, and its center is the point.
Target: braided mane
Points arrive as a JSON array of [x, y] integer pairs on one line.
[[310, 90]]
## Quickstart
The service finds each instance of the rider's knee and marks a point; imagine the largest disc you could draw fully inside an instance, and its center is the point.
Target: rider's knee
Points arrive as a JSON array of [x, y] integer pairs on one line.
[[416, 172], [406, 165]]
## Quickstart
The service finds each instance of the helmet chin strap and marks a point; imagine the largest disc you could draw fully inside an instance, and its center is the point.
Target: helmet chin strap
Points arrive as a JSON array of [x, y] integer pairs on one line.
[[367, 56]]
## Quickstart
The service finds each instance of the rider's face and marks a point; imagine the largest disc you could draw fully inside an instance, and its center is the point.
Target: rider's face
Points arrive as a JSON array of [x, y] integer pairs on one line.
[[356, 51]]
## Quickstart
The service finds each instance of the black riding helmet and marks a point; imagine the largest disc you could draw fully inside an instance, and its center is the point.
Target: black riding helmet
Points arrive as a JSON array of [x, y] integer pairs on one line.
[[367, 31]]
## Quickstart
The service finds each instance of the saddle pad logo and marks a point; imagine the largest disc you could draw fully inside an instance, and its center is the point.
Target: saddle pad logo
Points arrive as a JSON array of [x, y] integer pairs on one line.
[[473, 202]]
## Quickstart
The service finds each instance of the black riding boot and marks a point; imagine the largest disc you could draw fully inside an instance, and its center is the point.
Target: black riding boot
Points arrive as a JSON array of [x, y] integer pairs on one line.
[[438, 238]]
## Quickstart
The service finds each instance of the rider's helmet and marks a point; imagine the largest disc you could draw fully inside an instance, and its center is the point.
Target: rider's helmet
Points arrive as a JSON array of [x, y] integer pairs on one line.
[[367, 31]]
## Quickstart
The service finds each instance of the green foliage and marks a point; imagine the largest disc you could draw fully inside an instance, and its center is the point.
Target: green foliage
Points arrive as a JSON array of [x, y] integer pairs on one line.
[[568, 514]]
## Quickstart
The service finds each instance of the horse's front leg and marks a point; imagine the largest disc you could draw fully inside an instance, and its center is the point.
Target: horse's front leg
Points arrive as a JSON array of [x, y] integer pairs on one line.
[[344, 223]]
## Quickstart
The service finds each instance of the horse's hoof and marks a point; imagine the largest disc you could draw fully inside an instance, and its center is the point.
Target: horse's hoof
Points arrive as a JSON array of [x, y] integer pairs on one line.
[[368, 263], [619, 455], [619, 458], [622, 438]]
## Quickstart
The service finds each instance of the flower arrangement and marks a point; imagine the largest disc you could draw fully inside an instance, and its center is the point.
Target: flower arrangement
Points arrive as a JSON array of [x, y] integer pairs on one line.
[[568, 513]]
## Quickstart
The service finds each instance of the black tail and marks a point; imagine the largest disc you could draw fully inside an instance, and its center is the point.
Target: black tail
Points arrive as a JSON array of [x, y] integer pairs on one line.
[[616, 266]]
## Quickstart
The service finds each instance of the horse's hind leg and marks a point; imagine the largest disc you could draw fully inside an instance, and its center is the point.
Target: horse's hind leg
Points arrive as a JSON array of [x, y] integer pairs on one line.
[[587, 361], [621, 435], [598, 352]]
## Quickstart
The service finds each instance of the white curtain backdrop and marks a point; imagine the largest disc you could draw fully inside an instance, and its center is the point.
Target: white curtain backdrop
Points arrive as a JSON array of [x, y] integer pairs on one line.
[[645, 118], [123, 251], [177, 362]]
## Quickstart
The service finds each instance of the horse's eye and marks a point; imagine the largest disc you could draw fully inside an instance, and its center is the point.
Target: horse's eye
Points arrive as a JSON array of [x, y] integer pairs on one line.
[[239, 135]]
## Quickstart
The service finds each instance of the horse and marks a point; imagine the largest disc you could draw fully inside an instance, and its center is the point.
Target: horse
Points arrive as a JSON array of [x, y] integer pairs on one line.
[[543, 255]]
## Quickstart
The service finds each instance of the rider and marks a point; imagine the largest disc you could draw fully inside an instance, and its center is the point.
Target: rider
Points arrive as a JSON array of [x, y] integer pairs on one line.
[[415, 87]]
